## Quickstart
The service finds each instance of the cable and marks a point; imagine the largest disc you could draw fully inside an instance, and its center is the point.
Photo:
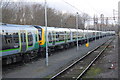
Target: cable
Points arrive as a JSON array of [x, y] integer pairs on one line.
[[94, 9], [72, 6], [78, 9]]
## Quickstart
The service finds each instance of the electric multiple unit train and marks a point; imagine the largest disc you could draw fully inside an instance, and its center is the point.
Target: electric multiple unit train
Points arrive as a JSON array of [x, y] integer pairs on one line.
[[25, 42]]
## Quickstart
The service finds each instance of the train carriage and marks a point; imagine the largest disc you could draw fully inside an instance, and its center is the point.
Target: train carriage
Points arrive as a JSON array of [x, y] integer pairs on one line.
[[18, 40]]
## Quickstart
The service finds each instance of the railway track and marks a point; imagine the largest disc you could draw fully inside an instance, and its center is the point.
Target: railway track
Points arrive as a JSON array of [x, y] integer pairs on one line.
[[78, 68]]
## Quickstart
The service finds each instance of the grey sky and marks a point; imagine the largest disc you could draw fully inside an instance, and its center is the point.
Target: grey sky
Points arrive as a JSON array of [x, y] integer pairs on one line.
[[88, 6], [91, 7]]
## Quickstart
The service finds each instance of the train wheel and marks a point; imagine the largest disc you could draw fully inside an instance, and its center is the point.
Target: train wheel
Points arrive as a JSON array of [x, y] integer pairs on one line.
[[43, 54], [33, 54], [26, 58], [9, 60], [14, 59], [72, 44]]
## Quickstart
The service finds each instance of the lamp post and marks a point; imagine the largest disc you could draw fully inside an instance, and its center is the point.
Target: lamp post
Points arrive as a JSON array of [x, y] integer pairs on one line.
[[119, 18], [46, 33], [77, 28], [95, 26], [102, 22], [61, 23]]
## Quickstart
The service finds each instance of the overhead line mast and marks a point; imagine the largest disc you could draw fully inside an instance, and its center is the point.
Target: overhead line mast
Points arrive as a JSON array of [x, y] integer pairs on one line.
[[46, 33]]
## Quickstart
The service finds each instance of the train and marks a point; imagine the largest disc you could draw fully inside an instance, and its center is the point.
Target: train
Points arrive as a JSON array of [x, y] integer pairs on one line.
[[25, 42]]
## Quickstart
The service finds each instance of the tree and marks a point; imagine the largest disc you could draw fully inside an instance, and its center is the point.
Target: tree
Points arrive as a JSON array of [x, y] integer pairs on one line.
[[33, 14]]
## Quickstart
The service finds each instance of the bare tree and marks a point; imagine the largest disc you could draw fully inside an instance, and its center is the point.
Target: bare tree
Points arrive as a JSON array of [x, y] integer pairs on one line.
[[33, 14]]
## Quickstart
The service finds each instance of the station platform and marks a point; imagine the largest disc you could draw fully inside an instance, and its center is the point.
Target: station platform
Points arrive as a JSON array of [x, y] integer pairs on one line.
[[57, 61]]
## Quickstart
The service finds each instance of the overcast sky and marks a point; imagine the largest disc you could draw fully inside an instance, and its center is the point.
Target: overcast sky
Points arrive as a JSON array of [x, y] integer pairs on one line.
[[88, 6]]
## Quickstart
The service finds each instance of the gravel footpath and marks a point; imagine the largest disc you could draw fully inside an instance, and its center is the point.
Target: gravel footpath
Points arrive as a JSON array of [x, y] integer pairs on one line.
[[38, 69], [107, 65]]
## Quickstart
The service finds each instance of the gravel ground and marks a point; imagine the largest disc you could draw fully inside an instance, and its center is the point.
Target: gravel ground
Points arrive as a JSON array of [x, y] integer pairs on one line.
[[38, 69], [103, 67]]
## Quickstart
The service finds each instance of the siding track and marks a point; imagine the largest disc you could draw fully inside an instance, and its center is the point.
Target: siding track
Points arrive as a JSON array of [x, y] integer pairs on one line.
[[78, 68]]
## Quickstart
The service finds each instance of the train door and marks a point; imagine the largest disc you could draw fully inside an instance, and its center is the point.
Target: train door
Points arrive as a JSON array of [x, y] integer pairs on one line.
[[23, 40], [54, 37], [65, 36]]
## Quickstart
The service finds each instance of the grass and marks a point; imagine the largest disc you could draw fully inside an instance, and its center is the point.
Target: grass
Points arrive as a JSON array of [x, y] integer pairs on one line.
[[49, 76], [93, 72]]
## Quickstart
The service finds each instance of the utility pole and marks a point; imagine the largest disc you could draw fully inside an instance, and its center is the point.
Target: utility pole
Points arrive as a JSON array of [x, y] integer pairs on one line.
[[95, 27], [61, 22], [46, 33], [88, 24], [96, 22], [77, 28], [102, 21], [106, 23], [99, 28], [119, 18], [119, 12]]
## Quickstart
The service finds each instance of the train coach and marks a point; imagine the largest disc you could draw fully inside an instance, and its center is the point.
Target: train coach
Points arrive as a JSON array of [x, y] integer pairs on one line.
[[18, 42], [25, 42]]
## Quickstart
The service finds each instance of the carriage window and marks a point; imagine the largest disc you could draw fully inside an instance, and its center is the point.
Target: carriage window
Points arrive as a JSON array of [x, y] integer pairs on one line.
[[1, 42], [6, 33], [40, 34], [24, 37], [16, 37], [30, 39], [39, 37], [57, 34], [9, 39], [36, 37], [49, 36], [21, 38]]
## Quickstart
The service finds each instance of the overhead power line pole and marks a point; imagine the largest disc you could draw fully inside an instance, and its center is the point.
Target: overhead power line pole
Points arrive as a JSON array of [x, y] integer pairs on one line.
[[95, 24], [119, 13], [77, 28], [102, 21], [46, 33], [119, 18]]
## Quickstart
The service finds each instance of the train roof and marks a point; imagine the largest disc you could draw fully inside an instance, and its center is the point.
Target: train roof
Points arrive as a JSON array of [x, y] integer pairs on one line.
[[17, 27], [3, 25]]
